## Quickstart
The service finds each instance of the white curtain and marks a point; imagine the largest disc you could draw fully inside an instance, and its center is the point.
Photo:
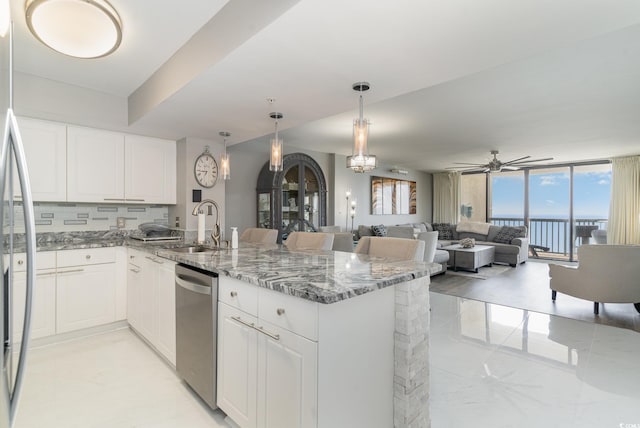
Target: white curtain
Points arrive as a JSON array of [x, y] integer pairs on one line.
[[624, 209], [446, 197]]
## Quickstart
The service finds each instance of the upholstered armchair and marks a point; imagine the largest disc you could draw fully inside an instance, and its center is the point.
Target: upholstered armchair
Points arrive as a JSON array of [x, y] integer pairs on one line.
[[605, 274]]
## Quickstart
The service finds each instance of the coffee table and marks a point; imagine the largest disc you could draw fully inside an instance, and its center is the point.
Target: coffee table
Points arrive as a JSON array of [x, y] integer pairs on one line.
[[470, 258]]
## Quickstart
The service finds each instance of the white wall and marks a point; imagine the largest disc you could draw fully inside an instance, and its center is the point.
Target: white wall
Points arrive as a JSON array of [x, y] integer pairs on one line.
[[360, 185], [188, 149], [247, 159]]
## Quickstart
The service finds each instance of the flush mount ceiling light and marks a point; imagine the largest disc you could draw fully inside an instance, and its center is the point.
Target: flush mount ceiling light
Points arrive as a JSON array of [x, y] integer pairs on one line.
[[225, 168], [78, 28], [360, 160]]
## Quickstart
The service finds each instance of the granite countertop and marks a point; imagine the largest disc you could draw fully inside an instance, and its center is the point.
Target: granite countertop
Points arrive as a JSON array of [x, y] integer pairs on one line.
[[319, 276]]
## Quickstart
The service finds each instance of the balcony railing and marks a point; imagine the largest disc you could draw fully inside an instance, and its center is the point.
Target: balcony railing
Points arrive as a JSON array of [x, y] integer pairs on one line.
[[554, 233]]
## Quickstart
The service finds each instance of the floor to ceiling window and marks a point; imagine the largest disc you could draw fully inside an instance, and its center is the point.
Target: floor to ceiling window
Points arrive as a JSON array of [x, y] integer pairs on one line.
[[506, 205], [561, 205]]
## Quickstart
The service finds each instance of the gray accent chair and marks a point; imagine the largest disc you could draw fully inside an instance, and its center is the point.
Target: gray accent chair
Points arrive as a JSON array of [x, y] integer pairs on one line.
[[605, 274], [343, 241]]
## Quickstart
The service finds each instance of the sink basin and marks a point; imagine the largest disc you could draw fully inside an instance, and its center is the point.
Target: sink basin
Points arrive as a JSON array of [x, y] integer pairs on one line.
[[194, 249]]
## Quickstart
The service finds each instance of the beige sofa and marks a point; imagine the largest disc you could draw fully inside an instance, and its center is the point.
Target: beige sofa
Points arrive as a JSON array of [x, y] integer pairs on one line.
[[605, 274]]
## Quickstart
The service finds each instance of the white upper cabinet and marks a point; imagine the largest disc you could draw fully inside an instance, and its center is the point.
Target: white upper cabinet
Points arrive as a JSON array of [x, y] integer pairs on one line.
[[150, 170], [104, 166], [95, 165], [45, 147]]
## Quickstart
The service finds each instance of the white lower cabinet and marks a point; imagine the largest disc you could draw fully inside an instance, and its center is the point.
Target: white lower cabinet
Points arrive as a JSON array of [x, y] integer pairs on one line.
[[151, 301], [287, 362], [166, 341], [85, 296], [43, 315], [267, 375]]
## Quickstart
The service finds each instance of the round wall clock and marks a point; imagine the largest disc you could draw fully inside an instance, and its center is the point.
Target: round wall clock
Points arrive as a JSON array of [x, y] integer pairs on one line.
[[206, 169]]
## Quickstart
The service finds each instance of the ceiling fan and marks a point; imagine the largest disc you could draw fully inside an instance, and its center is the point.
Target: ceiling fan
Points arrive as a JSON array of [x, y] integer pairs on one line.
[[496, 165]]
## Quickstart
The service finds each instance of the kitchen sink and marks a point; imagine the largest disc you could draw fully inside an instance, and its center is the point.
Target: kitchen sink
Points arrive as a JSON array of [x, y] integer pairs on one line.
[[194, 249]]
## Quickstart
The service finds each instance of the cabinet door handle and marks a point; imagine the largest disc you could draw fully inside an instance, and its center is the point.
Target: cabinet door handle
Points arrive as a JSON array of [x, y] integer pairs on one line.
[[45, 273], [20, 262], [114, 199], [253, 326], [88, 256], [71, 271], [135, 270], [280, 311], [233, 294], [134, 200], [153, 259], [271, 335], [241, 321]]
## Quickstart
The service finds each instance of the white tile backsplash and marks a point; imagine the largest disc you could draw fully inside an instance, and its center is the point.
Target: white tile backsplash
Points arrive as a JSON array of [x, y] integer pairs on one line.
[[70, 217]]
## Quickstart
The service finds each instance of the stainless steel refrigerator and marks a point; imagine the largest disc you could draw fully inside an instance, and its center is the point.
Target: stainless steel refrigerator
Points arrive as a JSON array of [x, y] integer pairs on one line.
[[13, 174]]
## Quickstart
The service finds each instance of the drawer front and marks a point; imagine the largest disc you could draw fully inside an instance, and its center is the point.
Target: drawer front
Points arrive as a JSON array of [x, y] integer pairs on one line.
[[238, 294], [292, 313], [44, 260], [84, 257]]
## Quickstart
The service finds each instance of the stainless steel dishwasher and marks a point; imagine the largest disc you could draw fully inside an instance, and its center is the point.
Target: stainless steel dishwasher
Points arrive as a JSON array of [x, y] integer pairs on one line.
[[196, 329]]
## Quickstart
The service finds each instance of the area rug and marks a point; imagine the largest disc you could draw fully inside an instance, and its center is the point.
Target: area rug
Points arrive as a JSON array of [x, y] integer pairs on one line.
[[483, 272]]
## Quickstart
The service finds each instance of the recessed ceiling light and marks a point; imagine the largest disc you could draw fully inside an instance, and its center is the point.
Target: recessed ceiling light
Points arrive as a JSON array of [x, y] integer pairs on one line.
[[78, 28]]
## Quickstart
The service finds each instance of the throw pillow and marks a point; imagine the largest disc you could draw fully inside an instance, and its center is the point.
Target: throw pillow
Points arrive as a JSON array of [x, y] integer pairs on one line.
[[444, 230], [508, 233], [379, 230]]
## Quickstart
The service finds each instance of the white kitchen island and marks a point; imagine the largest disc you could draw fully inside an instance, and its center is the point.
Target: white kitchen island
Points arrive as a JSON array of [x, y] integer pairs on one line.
[[319, 338]]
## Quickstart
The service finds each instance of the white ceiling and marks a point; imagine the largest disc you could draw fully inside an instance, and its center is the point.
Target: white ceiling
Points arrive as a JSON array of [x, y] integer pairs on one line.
[[451, 80]]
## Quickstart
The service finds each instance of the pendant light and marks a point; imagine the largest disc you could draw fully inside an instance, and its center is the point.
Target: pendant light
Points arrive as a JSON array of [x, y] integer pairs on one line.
[[361, 160], [225, 168], [78, 28], [275, 158]]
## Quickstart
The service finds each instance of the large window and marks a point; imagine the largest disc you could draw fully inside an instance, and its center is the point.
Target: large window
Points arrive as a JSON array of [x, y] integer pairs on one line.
[[561, 205], [507, 198]]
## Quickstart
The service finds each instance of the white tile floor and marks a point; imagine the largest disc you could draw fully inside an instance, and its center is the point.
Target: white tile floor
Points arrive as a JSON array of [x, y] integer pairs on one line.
[[491, 366], [495, 366], [110, 380]]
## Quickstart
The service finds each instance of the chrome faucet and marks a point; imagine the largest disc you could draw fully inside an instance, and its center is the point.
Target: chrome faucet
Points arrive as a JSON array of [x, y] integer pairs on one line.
[[215, 232]]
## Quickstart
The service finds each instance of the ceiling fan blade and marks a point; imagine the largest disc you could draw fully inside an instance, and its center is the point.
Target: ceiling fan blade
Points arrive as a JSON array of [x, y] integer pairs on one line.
[[465, 169], [510, 167], [466, 163], [516, 160], [533, 160]]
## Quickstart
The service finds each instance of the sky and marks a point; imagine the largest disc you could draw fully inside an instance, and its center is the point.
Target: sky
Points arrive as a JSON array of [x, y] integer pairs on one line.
[[549, 193]]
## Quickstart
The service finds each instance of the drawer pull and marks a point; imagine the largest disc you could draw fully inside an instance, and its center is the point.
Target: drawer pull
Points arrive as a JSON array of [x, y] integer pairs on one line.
[[20, 262], [114, 199], [241, 321], [234, 294], [280, 311], [132, 257], [253, 326], [271, 335], [71, 271], [45, 273], [135, 270], [88, 256], [153, 259]]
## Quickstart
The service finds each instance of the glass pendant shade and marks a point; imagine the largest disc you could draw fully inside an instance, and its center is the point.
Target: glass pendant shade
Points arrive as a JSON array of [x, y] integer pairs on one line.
[[225, 170], [78, 28], [225, 167], [360, 160], [275, 157]]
